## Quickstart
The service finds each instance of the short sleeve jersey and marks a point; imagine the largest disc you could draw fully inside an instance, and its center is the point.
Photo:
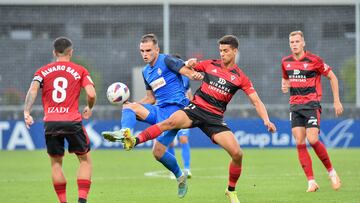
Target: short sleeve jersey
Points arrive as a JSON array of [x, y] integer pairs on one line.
[[219, 86], [61, 83], [304, 76], [165, 81]]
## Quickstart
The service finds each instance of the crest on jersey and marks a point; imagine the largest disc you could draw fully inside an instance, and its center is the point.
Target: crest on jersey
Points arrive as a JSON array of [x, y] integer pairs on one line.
[[159, 71], [305, 65], [232, 77], [214, 70]]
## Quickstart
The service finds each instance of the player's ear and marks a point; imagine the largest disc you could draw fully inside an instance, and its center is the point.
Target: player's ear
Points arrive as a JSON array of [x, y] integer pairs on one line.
[[71, 52], [54, 53]]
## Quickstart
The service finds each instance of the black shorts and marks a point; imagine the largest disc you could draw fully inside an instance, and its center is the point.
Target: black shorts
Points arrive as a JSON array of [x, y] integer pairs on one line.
[[308, 118], [208, 122], [57, 131]]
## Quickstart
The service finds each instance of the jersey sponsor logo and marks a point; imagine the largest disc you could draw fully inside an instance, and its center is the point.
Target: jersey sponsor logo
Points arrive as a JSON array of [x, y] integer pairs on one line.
[[55, 109], [296, 72], [214, 70], [288, 65], [222, 81], [232, 77], [306, 65], [156, 84]]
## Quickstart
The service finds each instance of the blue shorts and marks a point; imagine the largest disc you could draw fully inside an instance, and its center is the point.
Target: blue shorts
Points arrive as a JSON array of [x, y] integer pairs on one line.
[[158, 114]]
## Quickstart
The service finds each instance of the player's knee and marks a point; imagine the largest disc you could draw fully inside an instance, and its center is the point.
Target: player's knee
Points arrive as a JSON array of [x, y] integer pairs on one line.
[[237, 155], [158, 153], [183, 140], [170, 124], [132, 106]]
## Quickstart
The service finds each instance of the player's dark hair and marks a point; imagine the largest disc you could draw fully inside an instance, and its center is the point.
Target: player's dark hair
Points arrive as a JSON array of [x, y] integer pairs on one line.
[[62, 44], [149, 38], [230, 40]]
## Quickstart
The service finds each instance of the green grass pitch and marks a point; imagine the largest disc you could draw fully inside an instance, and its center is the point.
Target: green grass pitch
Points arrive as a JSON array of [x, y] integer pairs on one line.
[[269, 175]]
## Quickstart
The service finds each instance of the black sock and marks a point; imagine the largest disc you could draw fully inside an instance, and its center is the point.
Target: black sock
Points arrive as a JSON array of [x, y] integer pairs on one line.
[[231, 188], [82, 200], [137, 141]]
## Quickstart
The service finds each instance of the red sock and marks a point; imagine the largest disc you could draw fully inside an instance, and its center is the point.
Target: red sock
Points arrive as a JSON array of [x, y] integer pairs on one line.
[[149, 133], [305, 161], [83, 187], [234, 174], [60, 189], [321, 152]]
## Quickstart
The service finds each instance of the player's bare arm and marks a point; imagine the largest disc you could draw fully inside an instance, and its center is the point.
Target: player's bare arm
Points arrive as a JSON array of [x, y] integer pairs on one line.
[[91, 99], [29, 101], [262, 112], [335, 90], [149, 98], [188, 71], [285, 85]]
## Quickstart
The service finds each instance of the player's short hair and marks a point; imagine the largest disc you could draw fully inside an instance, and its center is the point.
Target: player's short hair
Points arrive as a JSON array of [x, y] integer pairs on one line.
[[296, 32], [149, 38], [230, 40], [62, 45]]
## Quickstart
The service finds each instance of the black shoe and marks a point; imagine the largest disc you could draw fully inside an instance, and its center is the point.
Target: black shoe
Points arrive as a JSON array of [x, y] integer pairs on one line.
[[81, 200]]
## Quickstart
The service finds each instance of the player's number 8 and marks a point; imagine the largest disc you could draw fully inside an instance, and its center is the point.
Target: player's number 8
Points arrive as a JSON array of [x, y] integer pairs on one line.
[[59, 89]]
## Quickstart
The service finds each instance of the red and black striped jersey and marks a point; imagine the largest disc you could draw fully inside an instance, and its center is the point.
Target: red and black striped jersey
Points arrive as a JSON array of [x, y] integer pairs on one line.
[[61, 84], [305, 80], [219, 86]]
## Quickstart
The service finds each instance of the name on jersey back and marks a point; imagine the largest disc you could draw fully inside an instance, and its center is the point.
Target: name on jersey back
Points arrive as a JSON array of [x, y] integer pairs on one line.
[[68, 69]]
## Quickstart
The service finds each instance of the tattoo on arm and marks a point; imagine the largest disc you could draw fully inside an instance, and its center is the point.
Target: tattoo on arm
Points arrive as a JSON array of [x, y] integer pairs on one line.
[[30, 97]]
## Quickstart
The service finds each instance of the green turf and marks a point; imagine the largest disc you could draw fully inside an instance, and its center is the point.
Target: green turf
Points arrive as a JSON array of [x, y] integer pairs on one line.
[[268, 176]]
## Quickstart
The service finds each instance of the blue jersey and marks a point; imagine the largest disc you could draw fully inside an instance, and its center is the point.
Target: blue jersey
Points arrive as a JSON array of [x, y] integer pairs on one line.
[[165, 81], [186, 83]]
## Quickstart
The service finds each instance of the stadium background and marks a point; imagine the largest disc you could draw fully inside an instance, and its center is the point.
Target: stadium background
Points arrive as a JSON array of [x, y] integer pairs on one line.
[[106, 36]]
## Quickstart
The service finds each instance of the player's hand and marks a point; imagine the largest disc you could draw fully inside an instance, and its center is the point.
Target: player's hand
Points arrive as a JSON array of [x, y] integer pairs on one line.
[[28, 120], [87, 112], [197, 76], [270, 126], [338, 108], [190, 63], [285, 86]]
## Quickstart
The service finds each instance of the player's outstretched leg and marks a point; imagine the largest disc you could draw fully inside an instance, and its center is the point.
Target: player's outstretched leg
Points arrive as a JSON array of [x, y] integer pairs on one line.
[[116, 136]]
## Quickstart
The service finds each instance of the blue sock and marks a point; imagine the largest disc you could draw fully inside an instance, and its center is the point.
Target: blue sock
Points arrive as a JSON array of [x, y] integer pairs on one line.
[[169, 161], [128, 119], [171, 150], [185, 153]]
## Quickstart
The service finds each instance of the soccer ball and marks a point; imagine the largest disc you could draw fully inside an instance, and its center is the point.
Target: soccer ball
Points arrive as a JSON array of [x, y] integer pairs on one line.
[[118, 93]]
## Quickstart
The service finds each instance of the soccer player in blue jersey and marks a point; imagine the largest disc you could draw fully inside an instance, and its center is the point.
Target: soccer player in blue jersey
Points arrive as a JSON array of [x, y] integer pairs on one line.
[[183, 134], [164, 86]]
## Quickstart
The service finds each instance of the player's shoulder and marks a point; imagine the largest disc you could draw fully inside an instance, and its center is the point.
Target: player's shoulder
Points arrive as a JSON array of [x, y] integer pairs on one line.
[[287, 58], [313, 57], [214, 62]]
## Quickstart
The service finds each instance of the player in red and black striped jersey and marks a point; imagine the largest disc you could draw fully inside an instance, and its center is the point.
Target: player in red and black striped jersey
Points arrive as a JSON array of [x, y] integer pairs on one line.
[[221, 81], [301, 73], [61, 83]]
